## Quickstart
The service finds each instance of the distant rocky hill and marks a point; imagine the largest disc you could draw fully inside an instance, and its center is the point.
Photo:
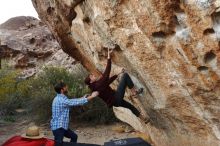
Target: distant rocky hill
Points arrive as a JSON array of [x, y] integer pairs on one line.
[[28, 44]]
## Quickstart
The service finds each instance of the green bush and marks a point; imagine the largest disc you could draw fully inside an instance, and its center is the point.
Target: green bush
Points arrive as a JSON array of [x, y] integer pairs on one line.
[[41, 90], [96, 112], [42, 94], [36, 94], [10, 94]]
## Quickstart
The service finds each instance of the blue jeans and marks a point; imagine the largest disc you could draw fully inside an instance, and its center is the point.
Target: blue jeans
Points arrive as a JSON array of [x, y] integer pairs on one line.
[[120, 93], [60, 133]]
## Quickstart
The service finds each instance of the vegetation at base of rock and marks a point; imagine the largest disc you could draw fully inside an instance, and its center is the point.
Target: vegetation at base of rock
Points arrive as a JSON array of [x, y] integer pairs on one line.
[[36, 94], [10, 90]]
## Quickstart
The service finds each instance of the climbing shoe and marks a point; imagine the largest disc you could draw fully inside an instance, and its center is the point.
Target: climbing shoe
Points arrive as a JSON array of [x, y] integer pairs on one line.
[[139, 91]]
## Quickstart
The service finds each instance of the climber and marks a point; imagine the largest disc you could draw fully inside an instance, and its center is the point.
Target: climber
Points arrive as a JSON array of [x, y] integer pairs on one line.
[[110, 96]]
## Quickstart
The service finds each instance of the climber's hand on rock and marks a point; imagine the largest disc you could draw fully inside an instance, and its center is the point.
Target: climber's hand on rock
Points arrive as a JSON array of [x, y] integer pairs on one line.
[[109, 52]]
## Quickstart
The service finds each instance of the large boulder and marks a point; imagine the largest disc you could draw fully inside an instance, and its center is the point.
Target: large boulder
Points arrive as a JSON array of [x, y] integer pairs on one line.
[[170, 47]]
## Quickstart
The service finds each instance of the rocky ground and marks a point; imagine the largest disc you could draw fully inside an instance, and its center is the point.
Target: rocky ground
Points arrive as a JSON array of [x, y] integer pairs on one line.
[[87, 134]]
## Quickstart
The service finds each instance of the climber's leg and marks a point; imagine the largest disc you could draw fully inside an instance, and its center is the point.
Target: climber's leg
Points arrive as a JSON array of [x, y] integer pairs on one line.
[[124, 82], [120, 92], [130, 106]]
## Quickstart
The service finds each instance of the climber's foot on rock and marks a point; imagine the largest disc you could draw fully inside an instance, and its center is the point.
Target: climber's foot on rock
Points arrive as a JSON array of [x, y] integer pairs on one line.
[[137, 92]]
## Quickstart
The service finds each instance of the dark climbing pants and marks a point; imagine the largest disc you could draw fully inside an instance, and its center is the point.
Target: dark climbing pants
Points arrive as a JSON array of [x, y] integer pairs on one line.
[[60, 133], [120, 92]]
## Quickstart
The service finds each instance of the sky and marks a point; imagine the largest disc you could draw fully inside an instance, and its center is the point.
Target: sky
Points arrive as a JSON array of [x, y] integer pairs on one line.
[[13, 8]]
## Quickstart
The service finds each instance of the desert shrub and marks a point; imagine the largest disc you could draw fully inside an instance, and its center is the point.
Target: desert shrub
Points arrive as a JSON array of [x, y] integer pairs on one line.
[[10, 94], [42, 94], [41, 90], [96, 112], [36, 94]]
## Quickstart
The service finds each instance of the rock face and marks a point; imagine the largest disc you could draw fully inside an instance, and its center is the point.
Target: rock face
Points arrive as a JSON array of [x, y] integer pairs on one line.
[[170, 47], [30, 45]]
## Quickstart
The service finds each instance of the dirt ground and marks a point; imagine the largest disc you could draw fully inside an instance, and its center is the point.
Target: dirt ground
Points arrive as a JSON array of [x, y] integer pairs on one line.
[[86, 134]]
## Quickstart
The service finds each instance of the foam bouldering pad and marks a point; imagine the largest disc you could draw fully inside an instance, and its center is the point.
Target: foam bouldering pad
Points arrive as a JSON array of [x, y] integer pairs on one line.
[[78, 144], [127, 142]]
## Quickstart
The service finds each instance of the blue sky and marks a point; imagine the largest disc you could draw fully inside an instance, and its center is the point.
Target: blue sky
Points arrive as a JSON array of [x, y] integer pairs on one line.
[[13, 8]]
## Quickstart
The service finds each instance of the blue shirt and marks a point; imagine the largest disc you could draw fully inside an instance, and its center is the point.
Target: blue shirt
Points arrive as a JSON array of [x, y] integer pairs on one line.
[[60, 110]]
